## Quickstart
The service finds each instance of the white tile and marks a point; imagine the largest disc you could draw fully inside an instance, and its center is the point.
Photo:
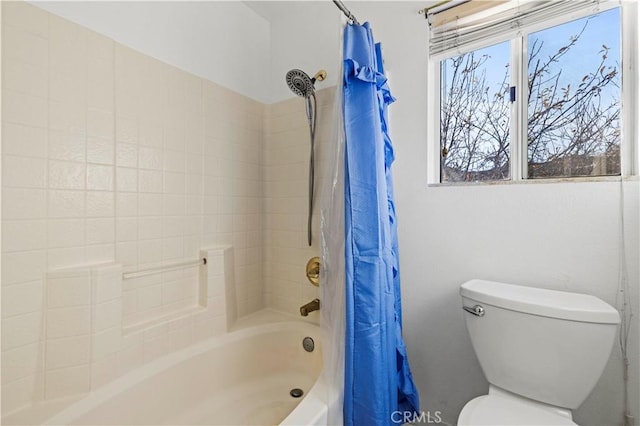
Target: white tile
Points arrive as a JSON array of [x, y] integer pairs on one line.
[[129, 304], [104, 371], [68, 291], [21, 108], [172, 249], [127, 253], [23, 140], [67, 352], [126, 155], [67, 44], [174, 183], [149, 251], [174, 161], [100, 124], [22, 298], [126, 229], [194, 184], [100, 231], [26, 17], [150, 228], [68, 144], [100, 204], [100, 150], [130, 358], [194, 164], [150, 158], [65, 257], [155, 348], [180, 338], [64, 203], [107, 287], [100, 177], [24, 46], [149, 181], [25, 78], [107, 315], [66, 175], [100, 72], [23, 235], [67, 381], [173, 226], [126, 204], [173, 205], [127, 179], [209, 328], [216, 284], [150, 135], [20, 362], [172, 292], [67, 86], [23, 266], [65, 233], [24, 172], [126, 130], [68, 322], [150, 204], [105, 343], [70, 116], [23, 203], [21, 330], [18, 394]]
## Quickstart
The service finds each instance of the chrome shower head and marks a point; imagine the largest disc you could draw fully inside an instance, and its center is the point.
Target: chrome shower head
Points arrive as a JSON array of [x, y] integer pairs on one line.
[[301, 84]]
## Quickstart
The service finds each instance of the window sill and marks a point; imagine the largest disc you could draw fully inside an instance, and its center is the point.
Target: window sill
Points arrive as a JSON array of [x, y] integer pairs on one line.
[[538, 181]]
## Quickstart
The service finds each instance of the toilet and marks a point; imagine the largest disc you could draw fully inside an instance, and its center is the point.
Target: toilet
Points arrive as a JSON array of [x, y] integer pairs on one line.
[[542, 351]]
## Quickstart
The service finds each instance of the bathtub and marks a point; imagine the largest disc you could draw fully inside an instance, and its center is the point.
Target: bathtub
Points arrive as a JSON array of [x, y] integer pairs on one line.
[[243, 377]]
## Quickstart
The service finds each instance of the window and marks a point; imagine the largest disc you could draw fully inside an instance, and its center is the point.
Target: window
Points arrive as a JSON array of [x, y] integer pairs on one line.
[[543, 100]]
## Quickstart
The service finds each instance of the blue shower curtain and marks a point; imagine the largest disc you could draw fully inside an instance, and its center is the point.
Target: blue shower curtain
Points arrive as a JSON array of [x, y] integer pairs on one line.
[[378, 382]]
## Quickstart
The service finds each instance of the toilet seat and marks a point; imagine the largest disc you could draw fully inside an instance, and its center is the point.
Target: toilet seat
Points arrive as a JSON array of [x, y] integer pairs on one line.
[[499, 410]]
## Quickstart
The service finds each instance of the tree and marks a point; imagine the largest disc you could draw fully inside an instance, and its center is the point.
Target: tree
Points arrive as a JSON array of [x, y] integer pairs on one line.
[[573, 125]]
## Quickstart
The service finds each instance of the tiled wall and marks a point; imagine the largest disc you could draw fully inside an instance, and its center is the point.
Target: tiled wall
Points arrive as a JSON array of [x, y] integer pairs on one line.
[[110, 155], [86, 344], [286, 165]]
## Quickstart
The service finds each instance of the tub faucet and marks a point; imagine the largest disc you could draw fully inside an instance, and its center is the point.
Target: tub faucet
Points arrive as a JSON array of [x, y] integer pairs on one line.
[[314, 305]]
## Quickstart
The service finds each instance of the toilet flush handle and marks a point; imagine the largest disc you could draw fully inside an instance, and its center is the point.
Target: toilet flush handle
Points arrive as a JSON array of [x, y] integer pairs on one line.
[[477, 310]]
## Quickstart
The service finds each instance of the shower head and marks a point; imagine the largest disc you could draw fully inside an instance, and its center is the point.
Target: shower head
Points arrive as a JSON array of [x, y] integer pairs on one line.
[[301, 84]]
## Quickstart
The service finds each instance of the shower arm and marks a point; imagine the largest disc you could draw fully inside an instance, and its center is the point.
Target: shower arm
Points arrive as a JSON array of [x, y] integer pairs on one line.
[[346, 11]]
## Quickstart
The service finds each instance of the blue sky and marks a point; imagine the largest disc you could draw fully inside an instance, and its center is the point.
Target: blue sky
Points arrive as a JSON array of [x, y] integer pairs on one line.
[[581, 58]]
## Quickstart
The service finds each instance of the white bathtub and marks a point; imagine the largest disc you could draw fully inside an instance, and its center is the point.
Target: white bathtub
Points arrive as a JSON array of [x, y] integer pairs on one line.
[[243, 377]]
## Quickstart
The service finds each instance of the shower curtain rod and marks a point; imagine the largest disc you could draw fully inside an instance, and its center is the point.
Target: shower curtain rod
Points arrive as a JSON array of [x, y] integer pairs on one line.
[[346, 11]]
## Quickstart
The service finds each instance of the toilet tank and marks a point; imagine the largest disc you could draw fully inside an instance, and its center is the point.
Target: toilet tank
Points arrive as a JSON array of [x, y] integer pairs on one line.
[[550, 346]]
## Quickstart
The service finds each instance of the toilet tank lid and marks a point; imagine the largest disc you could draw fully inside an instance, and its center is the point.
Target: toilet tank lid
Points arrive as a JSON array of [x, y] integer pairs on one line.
[[543, 302]]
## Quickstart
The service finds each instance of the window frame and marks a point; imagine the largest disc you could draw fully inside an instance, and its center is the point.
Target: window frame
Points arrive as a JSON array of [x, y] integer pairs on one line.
[[518, 163]]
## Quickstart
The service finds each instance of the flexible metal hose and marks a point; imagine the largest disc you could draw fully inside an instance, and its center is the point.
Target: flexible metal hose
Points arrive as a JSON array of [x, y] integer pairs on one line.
[[311, 117]]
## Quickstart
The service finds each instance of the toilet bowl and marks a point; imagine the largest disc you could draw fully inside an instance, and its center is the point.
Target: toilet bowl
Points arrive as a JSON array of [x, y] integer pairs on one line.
[[542, 351]]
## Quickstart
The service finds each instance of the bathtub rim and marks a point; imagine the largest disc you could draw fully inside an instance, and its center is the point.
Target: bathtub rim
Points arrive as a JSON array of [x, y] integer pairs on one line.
[[104, 393]]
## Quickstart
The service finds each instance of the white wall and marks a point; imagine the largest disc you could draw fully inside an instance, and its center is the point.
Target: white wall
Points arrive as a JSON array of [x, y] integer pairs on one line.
[[304, 35], [224, 41]]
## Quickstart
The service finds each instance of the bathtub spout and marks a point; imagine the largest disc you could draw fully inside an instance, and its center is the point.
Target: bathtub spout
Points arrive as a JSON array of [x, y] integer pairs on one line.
[[314, 305]]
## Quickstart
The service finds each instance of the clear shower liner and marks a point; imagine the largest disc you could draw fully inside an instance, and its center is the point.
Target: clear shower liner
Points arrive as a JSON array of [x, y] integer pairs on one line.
[[332, 282]]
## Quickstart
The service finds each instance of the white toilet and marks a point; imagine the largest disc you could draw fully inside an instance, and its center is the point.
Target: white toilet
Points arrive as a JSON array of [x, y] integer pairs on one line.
[[542, 351]]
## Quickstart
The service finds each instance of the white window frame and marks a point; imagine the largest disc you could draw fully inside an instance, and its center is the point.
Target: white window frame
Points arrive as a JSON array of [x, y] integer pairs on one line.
[[629, 150]]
